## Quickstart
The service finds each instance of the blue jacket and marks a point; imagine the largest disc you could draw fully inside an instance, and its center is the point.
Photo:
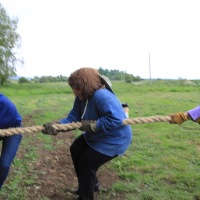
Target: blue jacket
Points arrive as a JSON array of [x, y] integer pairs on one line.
[[9, 116], [111, 137]]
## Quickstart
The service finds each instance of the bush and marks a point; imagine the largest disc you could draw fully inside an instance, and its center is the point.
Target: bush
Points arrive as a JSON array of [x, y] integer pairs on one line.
[[23, 80]]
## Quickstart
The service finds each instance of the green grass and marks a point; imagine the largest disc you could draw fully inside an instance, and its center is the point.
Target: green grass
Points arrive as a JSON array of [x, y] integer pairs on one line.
[[162, 162]]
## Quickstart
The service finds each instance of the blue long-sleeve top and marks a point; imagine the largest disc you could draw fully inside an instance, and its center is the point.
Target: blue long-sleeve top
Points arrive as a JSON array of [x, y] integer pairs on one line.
[[194, 113], [9, 116], [111, 137]]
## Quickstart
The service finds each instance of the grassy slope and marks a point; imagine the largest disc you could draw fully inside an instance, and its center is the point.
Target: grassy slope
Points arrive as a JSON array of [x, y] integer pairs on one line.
[[162, 161]]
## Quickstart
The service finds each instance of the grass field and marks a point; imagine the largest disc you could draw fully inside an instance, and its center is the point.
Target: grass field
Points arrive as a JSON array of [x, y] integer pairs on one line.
[[162, 162]]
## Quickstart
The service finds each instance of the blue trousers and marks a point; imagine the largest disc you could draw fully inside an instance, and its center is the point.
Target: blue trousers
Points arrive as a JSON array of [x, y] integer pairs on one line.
[[10, 146]]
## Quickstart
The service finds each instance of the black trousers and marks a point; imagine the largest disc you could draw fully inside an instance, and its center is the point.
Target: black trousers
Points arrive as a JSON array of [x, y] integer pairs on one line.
[[86, 163]]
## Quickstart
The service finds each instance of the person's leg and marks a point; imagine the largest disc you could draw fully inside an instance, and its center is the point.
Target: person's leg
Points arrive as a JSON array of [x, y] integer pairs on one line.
[[77, 148], [9, 149], [96, 187], [89, 163]]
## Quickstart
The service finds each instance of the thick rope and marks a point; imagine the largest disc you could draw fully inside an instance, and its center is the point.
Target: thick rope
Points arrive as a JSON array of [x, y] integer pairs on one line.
[[77, 125]]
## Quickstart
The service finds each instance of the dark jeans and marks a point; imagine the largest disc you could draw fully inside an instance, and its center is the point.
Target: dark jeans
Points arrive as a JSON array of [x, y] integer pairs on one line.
[[10, 146], [86, 163]]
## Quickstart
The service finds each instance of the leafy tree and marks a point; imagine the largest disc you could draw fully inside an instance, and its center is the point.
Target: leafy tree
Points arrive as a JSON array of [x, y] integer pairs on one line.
[[128, 78], [23, 80], [9, 41], [136, 79]]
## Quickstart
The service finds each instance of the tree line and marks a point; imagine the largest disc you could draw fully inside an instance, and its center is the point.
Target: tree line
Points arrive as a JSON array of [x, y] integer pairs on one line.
[[111, 74], [119, 75]]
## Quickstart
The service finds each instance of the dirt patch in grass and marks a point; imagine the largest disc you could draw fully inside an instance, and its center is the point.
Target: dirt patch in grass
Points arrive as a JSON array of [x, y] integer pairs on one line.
[[55, 172]]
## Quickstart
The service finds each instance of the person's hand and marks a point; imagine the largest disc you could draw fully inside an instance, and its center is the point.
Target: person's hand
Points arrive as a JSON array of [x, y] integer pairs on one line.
[[178, 118], [88, 126], [198, 120], [49, 130]]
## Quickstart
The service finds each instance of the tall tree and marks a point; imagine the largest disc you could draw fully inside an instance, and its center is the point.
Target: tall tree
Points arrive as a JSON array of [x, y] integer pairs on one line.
[[10, 41]]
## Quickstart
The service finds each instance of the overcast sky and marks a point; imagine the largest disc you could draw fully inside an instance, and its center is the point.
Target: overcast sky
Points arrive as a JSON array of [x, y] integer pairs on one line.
[[60, 36]]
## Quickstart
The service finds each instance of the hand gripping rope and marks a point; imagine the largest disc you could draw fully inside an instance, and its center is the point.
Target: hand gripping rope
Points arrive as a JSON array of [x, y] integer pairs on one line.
[[77, 125]]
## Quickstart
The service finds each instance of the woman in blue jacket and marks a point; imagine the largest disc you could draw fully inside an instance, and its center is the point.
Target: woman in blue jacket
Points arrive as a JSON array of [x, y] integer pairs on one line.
[[104, 135], [9, 118]]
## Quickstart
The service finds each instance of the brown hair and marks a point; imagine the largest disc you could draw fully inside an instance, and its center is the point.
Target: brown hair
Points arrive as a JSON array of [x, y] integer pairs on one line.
[[86, 80]]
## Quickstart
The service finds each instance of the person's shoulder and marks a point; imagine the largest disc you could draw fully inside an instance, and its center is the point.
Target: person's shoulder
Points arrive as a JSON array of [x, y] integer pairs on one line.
[[102, 92], [5, 100], [2, 98], [103, 95], [1, 95]]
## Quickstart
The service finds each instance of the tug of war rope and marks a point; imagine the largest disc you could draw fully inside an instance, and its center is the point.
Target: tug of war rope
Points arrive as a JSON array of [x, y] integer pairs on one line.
[[77, 125]]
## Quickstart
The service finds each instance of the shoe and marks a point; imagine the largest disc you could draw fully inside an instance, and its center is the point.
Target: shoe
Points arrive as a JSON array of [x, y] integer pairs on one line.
[[96, 189]]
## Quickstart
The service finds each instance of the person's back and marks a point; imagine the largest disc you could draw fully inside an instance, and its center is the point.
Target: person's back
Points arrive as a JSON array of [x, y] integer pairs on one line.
[[9, 118]]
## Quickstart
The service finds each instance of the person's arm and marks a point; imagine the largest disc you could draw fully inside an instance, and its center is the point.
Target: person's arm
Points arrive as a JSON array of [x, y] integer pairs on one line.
[[73, 116], [180, 117], [9, 115], [194, 113], [112, 113], [126, 109]]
